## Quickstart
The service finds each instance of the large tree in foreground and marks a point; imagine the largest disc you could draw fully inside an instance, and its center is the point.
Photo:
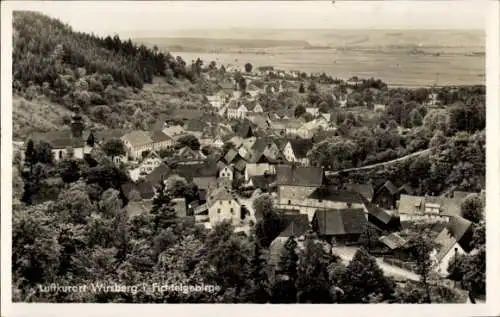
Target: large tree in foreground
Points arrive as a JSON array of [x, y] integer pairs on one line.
[[364, 279]]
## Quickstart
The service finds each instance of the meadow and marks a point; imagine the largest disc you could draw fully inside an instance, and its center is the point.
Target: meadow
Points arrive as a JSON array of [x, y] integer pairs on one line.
[[395, 66]]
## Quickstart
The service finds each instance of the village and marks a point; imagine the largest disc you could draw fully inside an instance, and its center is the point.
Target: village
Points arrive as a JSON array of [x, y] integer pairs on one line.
[[234, 152]]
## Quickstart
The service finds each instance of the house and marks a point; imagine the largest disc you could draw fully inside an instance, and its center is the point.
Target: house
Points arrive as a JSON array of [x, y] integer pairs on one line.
[[257, 108], [226, 172], [386, 195], [326, 116], [296, 183], [258, 169], [67, 141], [222, 205], [314, 111], [393, 242], [339, 225], [381, 218], [365, 190], [452, 241], [138, 141], [331, 197], [217, 142], [143, 188], [236, 110], [262, 182], [261, 120], [428, 208], [293, 127], [187, 155], [296, 151], [150, 162], [294, 226]]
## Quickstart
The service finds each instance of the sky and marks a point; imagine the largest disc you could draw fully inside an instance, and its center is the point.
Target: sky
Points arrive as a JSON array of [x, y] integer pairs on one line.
[[131, 18]]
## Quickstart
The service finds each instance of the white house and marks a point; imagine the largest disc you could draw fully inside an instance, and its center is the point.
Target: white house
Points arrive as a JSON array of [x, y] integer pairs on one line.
[[452, 241], [226, 172], [217, 142], [151, 161], [313, 111], [235, 111], [223, 206], [296, 151], [256, 109]]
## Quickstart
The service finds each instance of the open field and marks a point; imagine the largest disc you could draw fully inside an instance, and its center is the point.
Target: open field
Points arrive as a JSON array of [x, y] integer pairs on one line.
[[392, 66]]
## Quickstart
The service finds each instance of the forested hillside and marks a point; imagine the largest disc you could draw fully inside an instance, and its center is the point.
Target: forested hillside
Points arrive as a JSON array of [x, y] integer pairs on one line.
[[54, 65]]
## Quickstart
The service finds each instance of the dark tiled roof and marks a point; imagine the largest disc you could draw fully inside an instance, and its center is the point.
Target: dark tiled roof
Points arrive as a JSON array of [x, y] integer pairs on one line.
[[196, 125], [299, 175], [301, 147], [59, 139], [262, 181], [390, 187], [158, 136], [455, 230], [295, 225], [191, 171], [204, 182], [332, 194], [340, 221], [104, 135], [382, 215]]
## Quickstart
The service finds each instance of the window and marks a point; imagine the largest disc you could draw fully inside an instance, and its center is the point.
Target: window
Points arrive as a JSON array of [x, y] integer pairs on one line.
[[232, 210], [220, 202], [218, 211], [289, 202], [60, 154], [349, 205]]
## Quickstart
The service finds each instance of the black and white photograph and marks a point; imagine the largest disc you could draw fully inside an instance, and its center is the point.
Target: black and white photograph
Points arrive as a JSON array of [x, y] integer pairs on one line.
[[247, 152]]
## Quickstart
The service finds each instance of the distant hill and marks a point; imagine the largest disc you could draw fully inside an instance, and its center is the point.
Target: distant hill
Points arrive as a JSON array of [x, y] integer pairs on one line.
[[195, 44], [338, 38], [55, 66]]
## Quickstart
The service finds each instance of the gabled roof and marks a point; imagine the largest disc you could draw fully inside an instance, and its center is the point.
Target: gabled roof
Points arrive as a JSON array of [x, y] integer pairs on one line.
[[380, 214], [59, 139], [454, 232], [104, 135], [159, 136], [299, 175], [190, 171], [174, 130], [340, 221], [295, 225], [221, 193], [138, 137], [196, 125], [257, 169], [333, 194], [262, 181], [301, 147], [390, 187], [393, 241], [410, 204], [204, 182]]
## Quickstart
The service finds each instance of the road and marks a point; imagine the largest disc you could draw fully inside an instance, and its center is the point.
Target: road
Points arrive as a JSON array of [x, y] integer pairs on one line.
[[347, 253], [331, 173]]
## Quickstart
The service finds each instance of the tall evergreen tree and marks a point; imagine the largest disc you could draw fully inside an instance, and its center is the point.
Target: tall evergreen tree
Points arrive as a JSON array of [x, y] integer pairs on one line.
[[284, 288]]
